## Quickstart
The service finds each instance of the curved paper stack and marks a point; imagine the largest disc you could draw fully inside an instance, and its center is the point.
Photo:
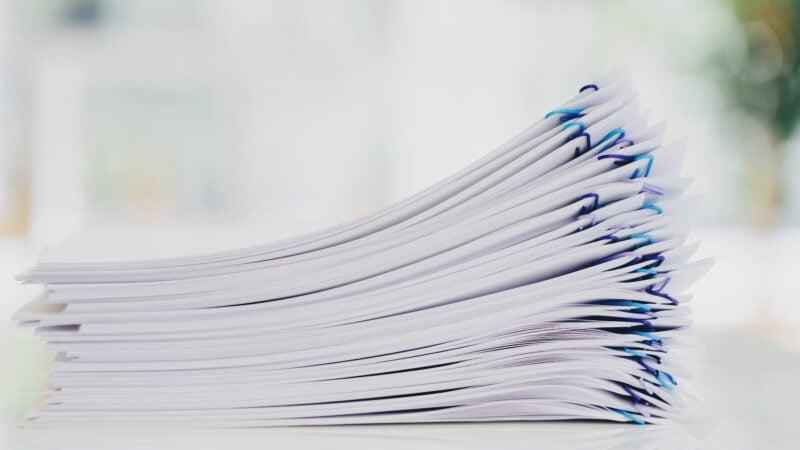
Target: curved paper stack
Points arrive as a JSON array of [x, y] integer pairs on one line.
[[542, 282]]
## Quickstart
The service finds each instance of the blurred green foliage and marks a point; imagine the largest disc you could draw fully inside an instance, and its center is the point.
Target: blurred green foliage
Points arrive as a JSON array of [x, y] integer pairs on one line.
[[767, 82]]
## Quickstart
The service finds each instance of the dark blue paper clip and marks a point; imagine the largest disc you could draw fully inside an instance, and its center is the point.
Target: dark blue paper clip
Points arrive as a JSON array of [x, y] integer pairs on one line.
[[658, 258], [663, 295], [596, 198], [667, 278], [627, 141], [588, 86], [621, 158], [636, 257]]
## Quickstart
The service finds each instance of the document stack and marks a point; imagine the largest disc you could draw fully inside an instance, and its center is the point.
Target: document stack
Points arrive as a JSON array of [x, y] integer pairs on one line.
[[542, 282]]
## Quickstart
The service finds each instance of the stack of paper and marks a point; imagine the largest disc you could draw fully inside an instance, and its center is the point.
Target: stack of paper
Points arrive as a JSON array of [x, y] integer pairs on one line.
[[542, 282]]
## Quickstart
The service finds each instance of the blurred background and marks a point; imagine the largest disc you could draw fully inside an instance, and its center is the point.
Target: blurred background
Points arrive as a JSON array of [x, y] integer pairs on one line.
[[154, 112], [157, 112]]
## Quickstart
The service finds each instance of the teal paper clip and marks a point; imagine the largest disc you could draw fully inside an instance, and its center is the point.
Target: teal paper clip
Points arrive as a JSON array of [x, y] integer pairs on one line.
[[642, 236], [576, 123], [647, 271], [568, 113], [636, 305], [647, 335], [630, 416], [655, 208], [664, 383], [635, 352]]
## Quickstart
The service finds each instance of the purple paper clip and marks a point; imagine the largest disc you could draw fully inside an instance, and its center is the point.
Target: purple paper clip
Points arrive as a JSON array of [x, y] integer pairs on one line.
[[646, 188], [646, 386], [641, 411], [646, 366], [650, 189], [632, 393]]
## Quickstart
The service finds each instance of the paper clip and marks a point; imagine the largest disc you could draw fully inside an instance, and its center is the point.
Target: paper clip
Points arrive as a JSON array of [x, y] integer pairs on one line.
[[649, 159], [649, 188], [646, 386], [627, 141], [647, 335], [576, 123], [660, 377], [632, 393], [647, 271], [642, 236], [588, 86], [596, 197], [655, 208], [667, 278], [636, 257], [630, 416], [658, 258], [638, 353], [619, 133], [623, 158], [663, 295], [567, 114]]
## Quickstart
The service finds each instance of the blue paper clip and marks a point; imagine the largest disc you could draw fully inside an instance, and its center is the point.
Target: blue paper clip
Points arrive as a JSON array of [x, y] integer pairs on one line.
[[618, 132], [655, 208], [576, 123], [588, 86], [642, 236], [630, 416], [664, 383], [638, 353], [649, 159], [568, 114]]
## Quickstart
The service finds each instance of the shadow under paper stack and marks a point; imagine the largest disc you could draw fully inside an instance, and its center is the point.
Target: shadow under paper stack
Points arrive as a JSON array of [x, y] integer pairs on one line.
[[540, 283]]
